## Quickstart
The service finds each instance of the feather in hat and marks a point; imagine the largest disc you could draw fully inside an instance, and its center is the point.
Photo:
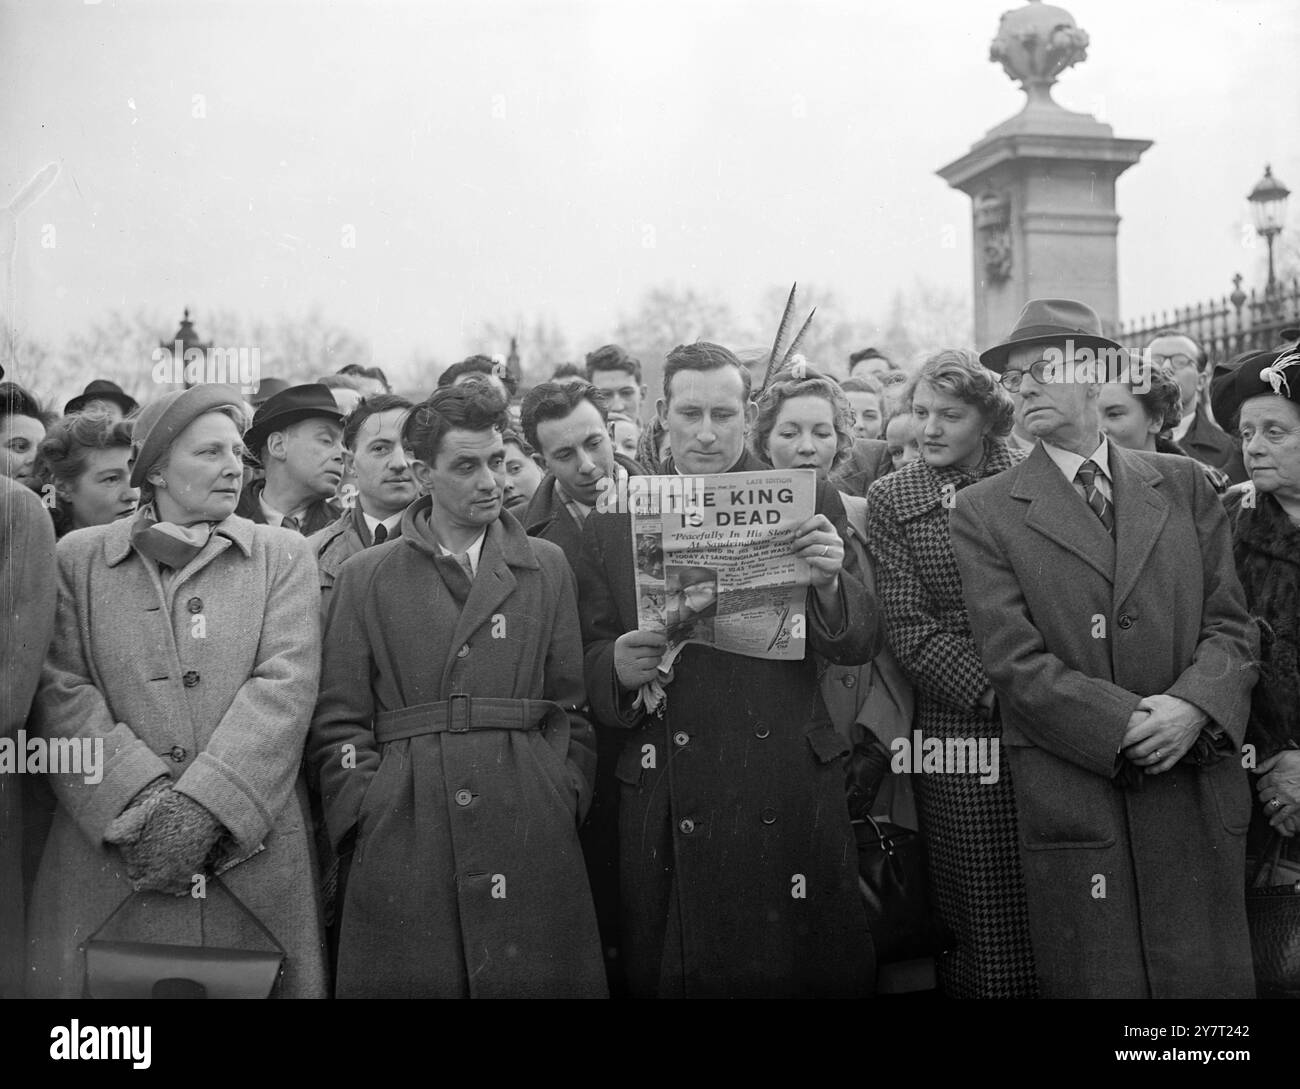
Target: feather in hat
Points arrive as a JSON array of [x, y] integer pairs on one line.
[[774, 367]]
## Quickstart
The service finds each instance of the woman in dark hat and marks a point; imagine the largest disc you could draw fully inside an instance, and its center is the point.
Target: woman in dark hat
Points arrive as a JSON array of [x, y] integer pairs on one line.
[[186, 653], [84, 461], [1258, 396], [104, 396]]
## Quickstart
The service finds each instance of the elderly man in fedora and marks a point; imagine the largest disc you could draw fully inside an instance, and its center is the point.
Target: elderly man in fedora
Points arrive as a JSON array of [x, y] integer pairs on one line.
[[297, 438], [1107, 612]]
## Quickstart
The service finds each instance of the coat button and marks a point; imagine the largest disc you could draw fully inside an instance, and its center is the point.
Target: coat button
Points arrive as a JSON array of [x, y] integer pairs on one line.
[[177, 753], [762, 732], [195, 604], [463, 797], [686, 825], [1125, 621], [463, 651], [848, 680], [768, 815], [190, 678], [681, 738]]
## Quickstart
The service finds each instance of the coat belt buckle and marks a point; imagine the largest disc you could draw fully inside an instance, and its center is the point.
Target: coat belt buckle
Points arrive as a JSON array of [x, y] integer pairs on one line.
[[458, 713]]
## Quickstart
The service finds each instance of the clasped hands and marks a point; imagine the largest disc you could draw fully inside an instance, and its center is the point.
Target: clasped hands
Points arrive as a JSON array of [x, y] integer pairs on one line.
[[1161, 731], [165, 838]]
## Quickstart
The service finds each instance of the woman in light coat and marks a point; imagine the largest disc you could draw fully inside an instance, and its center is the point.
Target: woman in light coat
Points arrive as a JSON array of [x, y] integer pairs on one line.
[[186, 653]]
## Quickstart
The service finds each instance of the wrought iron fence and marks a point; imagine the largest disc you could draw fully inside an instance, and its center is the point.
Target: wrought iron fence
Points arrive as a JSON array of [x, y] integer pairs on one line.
[[1225, 327]]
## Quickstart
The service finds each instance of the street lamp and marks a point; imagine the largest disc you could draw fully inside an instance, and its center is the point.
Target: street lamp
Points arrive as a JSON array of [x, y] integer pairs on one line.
[[1268, 203]]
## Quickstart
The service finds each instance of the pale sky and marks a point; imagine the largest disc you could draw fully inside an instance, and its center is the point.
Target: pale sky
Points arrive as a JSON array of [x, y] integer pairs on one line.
[[557, 159]]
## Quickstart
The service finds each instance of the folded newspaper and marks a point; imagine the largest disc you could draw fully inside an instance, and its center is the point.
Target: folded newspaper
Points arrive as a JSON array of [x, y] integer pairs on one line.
[[715, 565]]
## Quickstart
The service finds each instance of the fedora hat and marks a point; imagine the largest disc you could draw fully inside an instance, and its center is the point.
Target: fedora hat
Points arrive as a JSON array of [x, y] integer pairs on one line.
[[266, 389], [1044, 320], [101, 389], [288, 407]]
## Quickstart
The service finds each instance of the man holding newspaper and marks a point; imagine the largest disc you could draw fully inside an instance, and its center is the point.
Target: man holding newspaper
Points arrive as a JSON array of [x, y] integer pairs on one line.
[[738, 862]]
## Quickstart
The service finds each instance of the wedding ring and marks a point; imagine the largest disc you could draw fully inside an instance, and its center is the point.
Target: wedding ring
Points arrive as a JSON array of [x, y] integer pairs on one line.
[[1156, 754], [1276, 803], [826, 550]]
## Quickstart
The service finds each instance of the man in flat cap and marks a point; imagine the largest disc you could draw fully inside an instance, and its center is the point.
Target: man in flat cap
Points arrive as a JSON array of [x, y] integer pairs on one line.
[[297, 437], [1109, 618]]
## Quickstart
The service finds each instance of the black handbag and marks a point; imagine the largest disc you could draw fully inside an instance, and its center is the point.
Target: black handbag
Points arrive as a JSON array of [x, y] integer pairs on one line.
[[135, 969], [895, 890], [1273, 915]]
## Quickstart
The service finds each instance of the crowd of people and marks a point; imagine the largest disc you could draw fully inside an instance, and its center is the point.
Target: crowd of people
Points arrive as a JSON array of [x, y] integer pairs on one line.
[[364, 675]]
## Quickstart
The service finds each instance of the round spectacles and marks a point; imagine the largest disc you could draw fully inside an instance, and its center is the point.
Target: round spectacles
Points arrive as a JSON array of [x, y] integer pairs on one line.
[[1010, 380]]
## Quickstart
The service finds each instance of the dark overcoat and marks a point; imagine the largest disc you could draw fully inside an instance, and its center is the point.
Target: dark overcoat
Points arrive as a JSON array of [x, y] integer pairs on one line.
[[1209, 443], [548, 518], [209, 679], [739, 865], [28, 591], [466, 879], [1133, 891], [317, 516]]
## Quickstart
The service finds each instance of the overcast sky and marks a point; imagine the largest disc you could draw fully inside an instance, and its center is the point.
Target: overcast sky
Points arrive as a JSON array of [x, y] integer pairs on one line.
[[493, 159]]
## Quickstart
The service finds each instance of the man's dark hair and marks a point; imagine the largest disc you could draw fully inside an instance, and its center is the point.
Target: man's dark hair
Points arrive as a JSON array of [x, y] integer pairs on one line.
[[613, 358], [356, 370], [567, 371], [477, 364], [383, 402], [554, 401], [869, 353], [471, 406], [1201, 358], [702, 356], [339, 381]]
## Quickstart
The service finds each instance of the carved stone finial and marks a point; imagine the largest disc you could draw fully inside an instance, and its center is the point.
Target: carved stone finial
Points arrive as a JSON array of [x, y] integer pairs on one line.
[[1035, 44]]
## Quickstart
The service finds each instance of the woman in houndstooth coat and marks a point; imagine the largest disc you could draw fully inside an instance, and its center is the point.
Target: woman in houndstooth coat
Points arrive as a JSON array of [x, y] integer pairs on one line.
[[960, 414]]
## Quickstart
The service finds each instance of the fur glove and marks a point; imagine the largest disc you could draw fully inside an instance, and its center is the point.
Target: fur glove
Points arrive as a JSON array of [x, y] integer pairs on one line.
[[177, 837]]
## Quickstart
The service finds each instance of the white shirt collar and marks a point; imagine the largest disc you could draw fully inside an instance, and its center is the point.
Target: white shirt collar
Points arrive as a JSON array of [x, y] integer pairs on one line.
[[1068, 461], [1184, 425], [578, 509], [473, 552], [274, 517], [389, 523]]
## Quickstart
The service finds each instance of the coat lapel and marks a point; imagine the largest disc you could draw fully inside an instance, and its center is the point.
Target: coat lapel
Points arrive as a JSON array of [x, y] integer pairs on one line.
[[1140, 515], [1059, 513], [503, 549]]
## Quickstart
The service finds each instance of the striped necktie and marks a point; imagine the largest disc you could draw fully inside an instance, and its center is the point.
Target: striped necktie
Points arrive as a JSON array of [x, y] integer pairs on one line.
[[1101, 506]]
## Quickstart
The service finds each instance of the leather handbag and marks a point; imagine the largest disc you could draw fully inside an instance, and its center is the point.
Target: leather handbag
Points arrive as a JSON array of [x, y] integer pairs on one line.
[[136, 969], [893, 880], [1273, 915]]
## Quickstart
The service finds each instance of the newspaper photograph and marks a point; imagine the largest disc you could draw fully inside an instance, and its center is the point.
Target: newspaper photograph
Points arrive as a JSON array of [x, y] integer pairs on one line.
[[714, 562]]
